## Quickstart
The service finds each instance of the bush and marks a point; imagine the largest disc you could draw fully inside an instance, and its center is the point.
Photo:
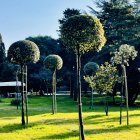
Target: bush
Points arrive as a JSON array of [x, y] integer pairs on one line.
[[15, 102]]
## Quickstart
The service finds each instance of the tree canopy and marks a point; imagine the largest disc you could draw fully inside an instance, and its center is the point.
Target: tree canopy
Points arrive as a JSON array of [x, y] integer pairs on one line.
[[24, 51], [90, 68], [105, 78], [83, 32], [53, 62]]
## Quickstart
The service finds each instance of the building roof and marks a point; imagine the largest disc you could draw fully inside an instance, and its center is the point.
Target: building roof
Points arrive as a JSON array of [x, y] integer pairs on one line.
[[10, 84]]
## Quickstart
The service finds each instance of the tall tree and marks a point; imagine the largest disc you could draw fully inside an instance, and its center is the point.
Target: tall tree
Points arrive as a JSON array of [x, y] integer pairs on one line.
[[80, 34], [23, 52], [122, 57], [90, 69], [66, 15], [53, 62]]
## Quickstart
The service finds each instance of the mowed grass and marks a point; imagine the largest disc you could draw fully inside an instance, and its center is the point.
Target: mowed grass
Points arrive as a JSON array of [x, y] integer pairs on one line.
[[64, 125]]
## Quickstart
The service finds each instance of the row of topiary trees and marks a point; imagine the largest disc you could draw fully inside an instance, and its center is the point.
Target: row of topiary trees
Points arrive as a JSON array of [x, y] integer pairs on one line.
[[103, 78], [80, 34], [24, 52]]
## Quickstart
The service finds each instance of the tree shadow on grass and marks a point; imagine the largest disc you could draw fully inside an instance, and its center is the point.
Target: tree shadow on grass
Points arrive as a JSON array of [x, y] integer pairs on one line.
[[112, 129], [61, 136], [89, 132], [96, 119], [13, 127], [7, 118], [60, 121]]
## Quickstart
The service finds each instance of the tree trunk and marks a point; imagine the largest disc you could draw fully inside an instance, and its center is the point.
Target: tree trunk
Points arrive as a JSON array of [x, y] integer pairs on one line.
[[106, 104], [22, 95], [53, 104], [26, 96], [75, 83], [81, 127], [126, 93], [17, 89], [91, 98], [55, 101], [122, 91]]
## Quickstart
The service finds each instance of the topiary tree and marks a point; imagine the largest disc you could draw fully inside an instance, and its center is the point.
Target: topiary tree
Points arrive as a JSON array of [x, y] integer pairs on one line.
[[81, 34], [104, 81], [22, 52], [122, 57], [90, 69], [53, 62]]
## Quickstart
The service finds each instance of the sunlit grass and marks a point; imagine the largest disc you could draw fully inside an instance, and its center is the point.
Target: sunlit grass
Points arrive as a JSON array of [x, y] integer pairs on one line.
[[64, 125]]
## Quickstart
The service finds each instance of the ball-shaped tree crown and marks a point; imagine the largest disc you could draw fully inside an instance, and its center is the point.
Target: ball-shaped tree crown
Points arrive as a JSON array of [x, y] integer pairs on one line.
[[82, 32], [23, 51], [124, 54], [53, 62], [90, 68]]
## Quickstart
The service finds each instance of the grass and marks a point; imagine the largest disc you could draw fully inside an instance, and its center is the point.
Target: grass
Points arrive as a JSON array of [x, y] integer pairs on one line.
[[64, 125]]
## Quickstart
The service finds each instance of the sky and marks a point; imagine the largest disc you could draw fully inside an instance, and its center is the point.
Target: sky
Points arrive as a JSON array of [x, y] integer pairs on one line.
[[20, 19]]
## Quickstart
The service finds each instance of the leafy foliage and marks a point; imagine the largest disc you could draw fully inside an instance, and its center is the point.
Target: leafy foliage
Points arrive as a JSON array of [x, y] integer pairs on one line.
[[121, 24], [83, 32], [69, 13], [125, 53], [105, 78], [53, 62], [90, 68], [24, 51]]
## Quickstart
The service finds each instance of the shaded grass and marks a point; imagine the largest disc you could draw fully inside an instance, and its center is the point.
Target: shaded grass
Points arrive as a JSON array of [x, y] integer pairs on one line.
[[64, 125]]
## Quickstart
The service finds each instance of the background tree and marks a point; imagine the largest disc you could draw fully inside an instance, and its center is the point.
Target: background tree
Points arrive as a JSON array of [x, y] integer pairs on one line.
[[2, 50], [90, 70], [122, 57], [121, 24], [82, 33], [104, 81], [137, 6], [53, 62], [47, 45], [66, 15], [22, 52], [69, 13]]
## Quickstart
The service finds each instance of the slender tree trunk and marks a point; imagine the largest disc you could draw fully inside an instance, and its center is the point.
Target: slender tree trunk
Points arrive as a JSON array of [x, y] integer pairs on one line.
[[91, 98], [75, 94], [22, 95], [26, 96], [126, 93], [17, 88], [122, 91], [55, 101], [70, 83], [81, 127], [106, 105], [53, 104]]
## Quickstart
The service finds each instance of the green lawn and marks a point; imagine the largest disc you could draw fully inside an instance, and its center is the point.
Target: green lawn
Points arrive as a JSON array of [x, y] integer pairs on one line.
[[64, 125]]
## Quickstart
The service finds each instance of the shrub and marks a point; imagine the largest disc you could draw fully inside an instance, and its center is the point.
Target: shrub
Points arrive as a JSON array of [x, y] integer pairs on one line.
[[15, 102]]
